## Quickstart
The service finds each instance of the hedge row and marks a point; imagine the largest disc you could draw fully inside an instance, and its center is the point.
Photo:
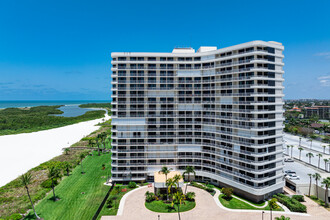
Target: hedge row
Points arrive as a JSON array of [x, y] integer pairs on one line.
[[292, 203]]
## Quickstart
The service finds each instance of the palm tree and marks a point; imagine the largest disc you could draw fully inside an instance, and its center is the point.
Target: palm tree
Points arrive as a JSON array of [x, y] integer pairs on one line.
[[66, 151], [310, 184], [310, 140], [324, 146], [326, 182], [165, 171], [170, 183], [291, 149], [288, 147], [82, 156], [319, 155], [300, 149], [272, 205], [178, 199], [317, 177], [177, 179], [189, 170], [325, 163], [25, 181], [54, 173], [310, 155], [67, 168]]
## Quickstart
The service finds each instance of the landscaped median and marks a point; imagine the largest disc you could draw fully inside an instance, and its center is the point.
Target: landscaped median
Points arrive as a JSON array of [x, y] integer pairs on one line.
[[161, 206]]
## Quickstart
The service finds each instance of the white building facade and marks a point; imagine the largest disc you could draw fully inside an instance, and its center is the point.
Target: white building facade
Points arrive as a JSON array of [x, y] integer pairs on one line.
[[219, 110]]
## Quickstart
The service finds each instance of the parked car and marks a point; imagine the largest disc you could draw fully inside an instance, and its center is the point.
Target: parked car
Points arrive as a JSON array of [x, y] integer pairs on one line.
[[290, 172], [288, 159], [293, 177]]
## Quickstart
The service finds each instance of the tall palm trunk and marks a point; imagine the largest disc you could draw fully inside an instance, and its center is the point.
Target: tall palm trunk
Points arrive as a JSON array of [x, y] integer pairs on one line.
[[299, 155], [187, 183], [166, 187], [27, 190], [310, 184], [317, 190], [326, 196], [53, 187]]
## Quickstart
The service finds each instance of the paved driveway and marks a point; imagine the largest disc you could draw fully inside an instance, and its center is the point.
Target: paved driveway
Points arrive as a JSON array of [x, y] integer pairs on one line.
[[206, 209]]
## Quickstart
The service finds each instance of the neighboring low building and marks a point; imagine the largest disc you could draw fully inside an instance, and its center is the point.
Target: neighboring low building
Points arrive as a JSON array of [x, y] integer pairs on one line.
[[323, 112]]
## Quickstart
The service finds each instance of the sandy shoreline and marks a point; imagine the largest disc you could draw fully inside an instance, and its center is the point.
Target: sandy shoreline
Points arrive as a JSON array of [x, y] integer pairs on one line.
[[21, 152]]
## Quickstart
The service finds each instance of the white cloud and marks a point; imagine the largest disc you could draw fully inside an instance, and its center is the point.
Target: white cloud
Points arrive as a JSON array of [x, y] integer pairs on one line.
[[324, 80], [326, 55]]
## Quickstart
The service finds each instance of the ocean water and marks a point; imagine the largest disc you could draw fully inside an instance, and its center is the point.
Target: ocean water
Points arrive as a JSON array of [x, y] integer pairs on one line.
[[20, 104]]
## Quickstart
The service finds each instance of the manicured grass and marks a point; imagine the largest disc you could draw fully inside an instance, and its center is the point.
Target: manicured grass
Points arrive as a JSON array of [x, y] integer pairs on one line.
[[80, 194], [234, 203], [160, 206], [119, 194]]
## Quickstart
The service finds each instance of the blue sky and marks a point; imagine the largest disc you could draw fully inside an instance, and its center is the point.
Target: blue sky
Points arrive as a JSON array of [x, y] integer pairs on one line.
[[60, 50]]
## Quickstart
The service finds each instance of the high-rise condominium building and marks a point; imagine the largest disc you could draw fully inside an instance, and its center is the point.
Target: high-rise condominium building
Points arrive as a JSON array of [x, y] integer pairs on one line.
[[218, 110]]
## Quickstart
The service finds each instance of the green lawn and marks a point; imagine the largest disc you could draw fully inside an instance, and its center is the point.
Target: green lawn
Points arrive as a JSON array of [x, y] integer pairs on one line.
[[119, 194], [160, 206], [234, 203], [80, 194]]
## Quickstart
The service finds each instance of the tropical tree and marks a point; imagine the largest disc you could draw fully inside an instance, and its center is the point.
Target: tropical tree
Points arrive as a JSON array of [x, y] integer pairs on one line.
[[66, 151], [292, 146], [288, 147], [272, 205], [25, 181], [317, 177], [326, 182], [67, 167], [325, 163], [178, 199], [310, 155], [170, 183], [310, 140], [98, 148], [324, 146], [165, 171], [319, 155], [176, 179], [310, 183], [300, 149], [189, 170], [53, 174], [82, 156]]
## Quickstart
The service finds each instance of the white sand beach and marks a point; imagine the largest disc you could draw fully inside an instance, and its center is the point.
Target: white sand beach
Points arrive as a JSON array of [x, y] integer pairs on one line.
[[21, 152]]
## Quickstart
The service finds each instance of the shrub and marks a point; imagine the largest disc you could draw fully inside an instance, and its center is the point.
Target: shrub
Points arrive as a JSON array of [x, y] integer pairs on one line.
[[150, 196], [228, 192], [190, 196], [48, 183], [132, 185], [208, 189], [313, 197], [15, 216], [299, 198], [292, 204]]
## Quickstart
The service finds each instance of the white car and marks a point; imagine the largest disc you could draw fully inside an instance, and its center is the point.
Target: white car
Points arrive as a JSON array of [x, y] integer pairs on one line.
[[288, 159], [293, 177]]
